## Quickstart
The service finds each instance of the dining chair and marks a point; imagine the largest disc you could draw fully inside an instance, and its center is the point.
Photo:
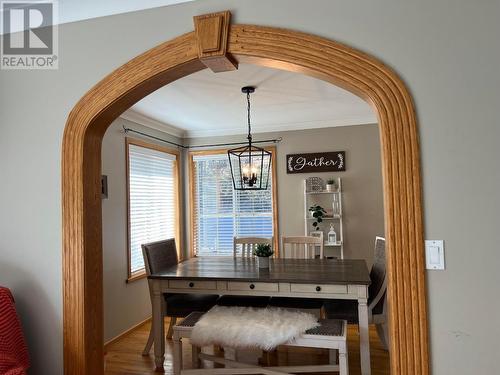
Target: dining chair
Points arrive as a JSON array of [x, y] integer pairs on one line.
[[377, 297], [243, 247], [159, 256], [300, 247]]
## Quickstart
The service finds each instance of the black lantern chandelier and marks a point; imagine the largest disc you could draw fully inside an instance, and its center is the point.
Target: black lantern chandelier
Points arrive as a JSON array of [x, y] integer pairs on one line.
[[250, 165]]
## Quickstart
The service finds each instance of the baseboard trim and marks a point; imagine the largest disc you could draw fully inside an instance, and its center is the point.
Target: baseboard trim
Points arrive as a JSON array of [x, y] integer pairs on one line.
[[121, 335]]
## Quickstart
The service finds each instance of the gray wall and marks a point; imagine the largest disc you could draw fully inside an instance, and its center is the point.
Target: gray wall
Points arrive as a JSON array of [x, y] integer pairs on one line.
[[361, 182], [125, 304], [446, 51]]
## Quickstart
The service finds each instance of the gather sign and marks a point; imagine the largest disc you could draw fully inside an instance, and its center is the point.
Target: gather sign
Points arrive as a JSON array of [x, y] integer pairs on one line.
[[333, 161]]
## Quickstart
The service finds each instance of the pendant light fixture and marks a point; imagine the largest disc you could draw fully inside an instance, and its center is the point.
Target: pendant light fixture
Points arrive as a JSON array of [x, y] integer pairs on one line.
[[250, 165]]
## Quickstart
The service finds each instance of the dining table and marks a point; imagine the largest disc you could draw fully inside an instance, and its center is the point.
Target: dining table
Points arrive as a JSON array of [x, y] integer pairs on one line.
[[294, 278]]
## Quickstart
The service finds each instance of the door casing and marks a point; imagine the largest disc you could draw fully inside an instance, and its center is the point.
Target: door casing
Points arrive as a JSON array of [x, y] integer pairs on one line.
[[290, 50]]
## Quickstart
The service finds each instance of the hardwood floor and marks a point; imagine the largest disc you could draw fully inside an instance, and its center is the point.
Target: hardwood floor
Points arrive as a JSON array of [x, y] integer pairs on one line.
[[124, 355]]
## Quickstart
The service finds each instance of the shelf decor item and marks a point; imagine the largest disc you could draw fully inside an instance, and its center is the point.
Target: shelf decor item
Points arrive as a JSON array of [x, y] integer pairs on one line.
[[316, 233], [314, 184], [336, 205], [250, 165], [317, 213], [332, 235], [263, 251], [330, 185]]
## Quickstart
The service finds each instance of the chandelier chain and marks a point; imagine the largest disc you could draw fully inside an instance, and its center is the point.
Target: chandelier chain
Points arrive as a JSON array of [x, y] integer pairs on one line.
[[248, 117]]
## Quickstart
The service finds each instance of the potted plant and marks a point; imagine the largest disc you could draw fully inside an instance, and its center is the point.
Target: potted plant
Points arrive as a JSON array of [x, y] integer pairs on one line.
[[317, 212], [263, 251], [330, 185]]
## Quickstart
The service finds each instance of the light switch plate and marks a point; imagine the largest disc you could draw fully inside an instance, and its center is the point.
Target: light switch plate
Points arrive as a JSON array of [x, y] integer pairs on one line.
[[434, 254]]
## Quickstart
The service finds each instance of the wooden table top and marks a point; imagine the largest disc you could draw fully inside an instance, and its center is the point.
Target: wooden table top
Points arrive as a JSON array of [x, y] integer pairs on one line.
[[317, 271]]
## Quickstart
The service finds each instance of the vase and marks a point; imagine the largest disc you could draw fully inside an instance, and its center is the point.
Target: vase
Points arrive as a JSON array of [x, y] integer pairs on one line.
[[330, 188], [263, 262]]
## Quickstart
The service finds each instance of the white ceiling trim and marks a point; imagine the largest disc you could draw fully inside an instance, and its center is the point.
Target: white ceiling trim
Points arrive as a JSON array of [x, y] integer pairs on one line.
[[306, 125], [148, 122]]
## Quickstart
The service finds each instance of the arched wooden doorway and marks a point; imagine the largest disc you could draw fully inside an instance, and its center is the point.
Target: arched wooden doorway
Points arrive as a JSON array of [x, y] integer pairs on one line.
[[284, 49]]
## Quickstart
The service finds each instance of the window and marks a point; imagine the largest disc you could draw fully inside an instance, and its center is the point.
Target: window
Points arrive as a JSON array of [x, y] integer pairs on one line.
[[219, 213], [152, 188]]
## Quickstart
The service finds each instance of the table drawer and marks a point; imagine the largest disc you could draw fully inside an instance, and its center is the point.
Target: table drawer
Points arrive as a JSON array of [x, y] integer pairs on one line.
[[318, 288], [249, 286], [192, 284]]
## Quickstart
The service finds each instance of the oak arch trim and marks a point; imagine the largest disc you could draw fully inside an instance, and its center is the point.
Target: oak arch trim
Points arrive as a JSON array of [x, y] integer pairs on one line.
[[290, 50]]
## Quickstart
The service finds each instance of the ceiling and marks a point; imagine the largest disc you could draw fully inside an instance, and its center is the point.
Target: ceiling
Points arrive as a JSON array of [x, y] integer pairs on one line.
[[78, 10], [208, 104]]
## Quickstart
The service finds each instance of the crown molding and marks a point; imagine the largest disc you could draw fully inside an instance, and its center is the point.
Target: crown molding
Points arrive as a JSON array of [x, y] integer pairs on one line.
[[269, 128], [148, 122], [141, 119]]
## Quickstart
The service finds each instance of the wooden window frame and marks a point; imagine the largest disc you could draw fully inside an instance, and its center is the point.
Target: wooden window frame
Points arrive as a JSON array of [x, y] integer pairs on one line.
[[322, 58], [192, 207], [137, 275]]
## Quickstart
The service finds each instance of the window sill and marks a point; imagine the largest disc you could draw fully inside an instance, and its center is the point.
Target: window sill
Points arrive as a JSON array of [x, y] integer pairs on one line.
[[136, 276]]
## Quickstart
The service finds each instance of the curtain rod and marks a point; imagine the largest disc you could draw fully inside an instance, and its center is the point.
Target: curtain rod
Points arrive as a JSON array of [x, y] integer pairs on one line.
[[126, 130]]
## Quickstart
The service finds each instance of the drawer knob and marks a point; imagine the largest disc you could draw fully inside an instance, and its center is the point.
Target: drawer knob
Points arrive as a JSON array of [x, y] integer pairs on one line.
[[318, 289], [191, 284], [252, 286]]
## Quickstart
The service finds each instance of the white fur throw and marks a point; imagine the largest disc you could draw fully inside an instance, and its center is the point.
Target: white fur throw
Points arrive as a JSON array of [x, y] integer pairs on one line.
[[248, 327]]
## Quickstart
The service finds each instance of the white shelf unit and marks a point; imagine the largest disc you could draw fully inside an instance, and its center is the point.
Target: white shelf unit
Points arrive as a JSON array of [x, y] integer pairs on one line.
[[331, 201]]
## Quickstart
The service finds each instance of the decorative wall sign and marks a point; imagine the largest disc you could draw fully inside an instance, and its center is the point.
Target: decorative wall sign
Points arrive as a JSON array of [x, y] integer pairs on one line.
[[316, 162]]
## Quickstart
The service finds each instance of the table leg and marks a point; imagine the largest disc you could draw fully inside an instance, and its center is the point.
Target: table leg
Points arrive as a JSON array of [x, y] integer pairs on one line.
[[159, 329], [364, 336]]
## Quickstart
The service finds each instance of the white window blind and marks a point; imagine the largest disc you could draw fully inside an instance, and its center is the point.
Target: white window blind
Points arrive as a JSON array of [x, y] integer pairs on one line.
[[152, 200], [221, 212]]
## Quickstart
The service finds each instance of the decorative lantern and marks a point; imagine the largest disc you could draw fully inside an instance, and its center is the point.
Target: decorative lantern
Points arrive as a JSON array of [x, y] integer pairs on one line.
[[250, 165], [332, 236]]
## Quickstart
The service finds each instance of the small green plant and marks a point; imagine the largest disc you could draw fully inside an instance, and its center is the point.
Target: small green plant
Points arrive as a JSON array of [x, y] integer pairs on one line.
[[318, 213], [263, 250], [330, 181]]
